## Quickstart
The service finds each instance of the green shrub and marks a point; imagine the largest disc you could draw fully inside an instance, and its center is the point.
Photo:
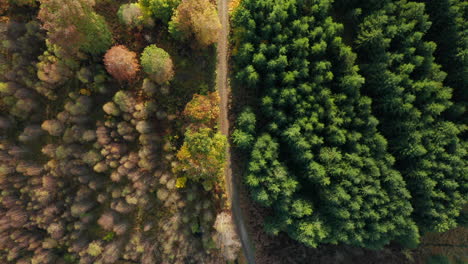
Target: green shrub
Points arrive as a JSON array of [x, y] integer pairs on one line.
[[160, 9], [243, 135], [157, 63]]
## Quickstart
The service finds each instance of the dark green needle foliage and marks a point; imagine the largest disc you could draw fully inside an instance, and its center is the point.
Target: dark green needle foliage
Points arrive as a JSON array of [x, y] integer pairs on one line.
[[319, 160], [244, 137], [450, 31], [409, 99]]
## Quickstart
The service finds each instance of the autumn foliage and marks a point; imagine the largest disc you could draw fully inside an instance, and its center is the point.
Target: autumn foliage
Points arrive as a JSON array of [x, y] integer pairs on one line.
[[75, 26], [198, 19], [3, 6], [121, 63], [203, 109], [130, 15], [202, 156], [85, 163], [157, 63]]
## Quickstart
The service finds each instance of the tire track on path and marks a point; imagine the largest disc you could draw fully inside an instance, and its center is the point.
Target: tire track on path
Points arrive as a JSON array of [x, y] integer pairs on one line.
[[223, 89]]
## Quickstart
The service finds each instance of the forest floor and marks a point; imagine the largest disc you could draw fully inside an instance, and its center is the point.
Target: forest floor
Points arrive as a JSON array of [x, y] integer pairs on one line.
[[232, 184]]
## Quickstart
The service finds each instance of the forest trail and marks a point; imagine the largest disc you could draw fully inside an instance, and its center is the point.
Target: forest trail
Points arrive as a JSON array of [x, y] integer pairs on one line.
[[223, 89]]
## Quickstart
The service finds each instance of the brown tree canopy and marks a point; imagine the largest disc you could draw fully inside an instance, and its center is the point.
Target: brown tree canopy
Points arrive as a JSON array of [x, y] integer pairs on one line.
[[121, 63]]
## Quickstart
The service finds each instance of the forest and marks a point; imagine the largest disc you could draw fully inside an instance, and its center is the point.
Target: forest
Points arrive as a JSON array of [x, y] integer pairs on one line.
[[110, 150], [355, 129], [233, 131]]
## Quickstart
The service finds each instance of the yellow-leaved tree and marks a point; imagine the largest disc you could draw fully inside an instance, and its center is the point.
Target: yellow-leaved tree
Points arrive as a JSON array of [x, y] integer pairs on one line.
[[202, 155], [196, 19]]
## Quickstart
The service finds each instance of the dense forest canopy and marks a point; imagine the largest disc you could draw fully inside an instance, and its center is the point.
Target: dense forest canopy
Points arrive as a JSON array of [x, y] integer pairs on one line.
[[349, 130], [409, 98], [92, 127], [350, 143]]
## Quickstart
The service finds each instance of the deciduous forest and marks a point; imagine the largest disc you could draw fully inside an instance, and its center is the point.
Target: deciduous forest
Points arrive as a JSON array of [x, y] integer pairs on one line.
[[109, 143]]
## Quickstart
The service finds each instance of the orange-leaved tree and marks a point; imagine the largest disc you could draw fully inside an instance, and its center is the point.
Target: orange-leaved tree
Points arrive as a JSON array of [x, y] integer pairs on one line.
[[121, 63], [203, 109]]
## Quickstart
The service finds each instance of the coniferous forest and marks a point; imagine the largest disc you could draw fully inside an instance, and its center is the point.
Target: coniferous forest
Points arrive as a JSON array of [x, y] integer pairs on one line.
[[355, 130], [233, 131]]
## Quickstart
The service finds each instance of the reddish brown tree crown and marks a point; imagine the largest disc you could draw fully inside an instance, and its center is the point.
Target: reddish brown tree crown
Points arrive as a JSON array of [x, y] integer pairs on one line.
[[121, 63]]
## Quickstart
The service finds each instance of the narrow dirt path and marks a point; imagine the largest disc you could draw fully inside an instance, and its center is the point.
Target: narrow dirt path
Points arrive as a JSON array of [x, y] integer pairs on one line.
[[223, 89]]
